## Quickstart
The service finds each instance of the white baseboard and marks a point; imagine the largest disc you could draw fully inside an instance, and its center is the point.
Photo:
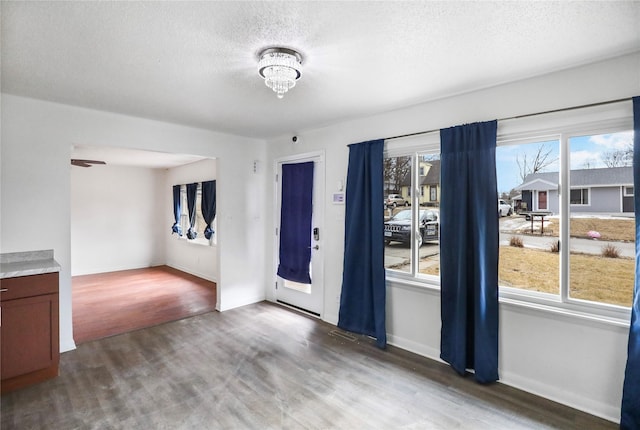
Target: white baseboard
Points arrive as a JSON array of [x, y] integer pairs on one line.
[[193, 272], [571, 399], [415, 347], [228, 305], [103, 269]]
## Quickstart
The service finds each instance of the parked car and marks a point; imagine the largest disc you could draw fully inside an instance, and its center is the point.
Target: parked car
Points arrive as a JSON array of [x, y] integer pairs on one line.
[[504, 208], [395, 200], [398, 228]]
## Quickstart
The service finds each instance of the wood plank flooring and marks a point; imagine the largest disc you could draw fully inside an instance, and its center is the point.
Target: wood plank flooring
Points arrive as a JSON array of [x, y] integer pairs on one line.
[[106, 304], [267, 367]]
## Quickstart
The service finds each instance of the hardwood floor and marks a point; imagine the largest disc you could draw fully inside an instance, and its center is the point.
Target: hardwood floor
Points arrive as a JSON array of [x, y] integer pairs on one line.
[[107, 304], [263, 366]]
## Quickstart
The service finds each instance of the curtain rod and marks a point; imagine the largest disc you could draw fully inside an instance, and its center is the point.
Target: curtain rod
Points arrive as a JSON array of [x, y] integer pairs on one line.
[[418, 133]]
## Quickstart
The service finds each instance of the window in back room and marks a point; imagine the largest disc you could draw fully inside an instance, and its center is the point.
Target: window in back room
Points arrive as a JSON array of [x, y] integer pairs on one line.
[[200, 224]]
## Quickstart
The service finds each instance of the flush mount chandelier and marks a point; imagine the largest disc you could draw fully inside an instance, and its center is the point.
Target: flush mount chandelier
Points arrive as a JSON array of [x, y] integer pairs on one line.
[[280, 68]]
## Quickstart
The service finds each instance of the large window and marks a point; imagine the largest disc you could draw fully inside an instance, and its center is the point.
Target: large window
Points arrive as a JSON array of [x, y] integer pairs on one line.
[[565, 207]]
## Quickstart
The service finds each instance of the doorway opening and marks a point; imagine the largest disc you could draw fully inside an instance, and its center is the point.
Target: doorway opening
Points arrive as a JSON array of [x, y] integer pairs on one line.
[[128, 270]]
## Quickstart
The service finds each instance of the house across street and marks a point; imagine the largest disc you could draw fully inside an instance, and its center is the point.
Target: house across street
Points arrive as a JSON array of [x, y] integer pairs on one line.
[[603, 190]]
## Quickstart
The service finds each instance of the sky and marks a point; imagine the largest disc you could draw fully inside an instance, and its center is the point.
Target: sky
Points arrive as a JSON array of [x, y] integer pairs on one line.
[[585, 152]]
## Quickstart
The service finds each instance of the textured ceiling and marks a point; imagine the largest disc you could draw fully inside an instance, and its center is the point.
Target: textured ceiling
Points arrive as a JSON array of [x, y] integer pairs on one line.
[[194, 63]]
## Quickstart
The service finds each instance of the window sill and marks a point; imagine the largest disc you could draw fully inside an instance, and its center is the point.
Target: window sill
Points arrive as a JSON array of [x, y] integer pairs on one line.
[[198, 242], [409, 282], [570, 311], [540, 303]]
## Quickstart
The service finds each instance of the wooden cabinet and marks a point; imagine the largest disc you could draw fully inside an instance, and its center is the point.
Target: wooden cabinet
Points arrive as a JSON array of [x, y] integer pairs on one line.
[[29, 334]]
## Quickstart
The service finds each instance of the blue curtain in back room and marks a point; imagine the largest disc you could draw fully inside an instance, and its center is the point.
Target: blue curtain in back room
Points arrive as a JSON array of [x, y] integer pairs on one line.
[[176, 211], [469, 250], [192, 189], [630, 415], [363, 298], [208, 206]]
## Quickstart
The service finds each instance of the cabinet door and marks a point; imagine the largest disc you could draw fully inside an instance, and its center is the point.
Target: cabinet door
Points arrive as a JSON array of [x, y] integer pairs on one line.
[[29, 334]]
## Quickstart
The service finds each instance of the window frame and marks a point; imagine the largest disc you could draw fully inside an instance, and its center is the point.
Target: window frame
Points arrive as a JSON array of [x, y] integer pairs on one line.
[[604, 119], [414, 147], [561, 126]]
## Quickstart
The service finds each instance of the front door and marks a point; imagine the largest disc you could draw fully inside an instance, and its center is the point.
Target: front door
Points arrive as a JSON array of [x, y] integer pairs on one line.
[[542, 200], [306, 296]]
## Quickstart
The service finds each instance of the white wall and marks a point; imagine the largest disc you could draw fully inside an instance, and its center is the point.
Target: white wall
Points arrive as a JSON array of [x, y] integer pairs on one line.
[[573, 361], [199, 260], [116, 219], [37, 138]]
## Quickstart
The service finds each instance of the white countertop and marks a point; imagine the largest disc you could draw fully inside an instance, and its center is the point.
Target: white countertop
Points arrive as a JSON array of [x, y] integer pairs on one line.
[[16, 264]]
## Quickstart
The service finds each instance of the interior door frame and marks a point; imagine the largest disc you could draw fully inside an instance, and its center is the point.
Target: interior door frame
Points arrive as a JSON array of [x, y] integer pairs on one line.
[[319, 209]]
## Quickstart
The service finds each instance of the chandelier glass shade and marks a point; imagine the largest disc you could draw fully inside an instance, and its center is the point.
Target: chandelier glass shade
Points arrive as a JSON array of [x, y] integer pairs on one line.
[[280, 68]]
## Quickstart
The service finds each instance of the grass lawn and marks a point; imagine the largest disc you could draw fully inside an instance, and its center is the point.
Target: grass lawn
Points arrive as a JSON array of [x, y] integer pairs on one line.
[[596, 278], [609, 229], [600, 279]]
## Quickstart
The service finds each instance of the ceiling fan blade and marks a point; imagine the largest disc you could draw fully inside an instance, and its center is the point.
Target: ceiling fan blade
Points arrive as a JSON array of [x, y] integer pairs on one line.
[[85, 163]]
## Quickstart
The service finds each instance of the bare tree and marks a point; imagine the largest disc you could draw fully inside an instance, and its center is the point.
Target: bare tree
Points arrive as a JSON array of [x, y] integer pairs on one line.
[[618, 158], [395, 171], [537, 163]]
